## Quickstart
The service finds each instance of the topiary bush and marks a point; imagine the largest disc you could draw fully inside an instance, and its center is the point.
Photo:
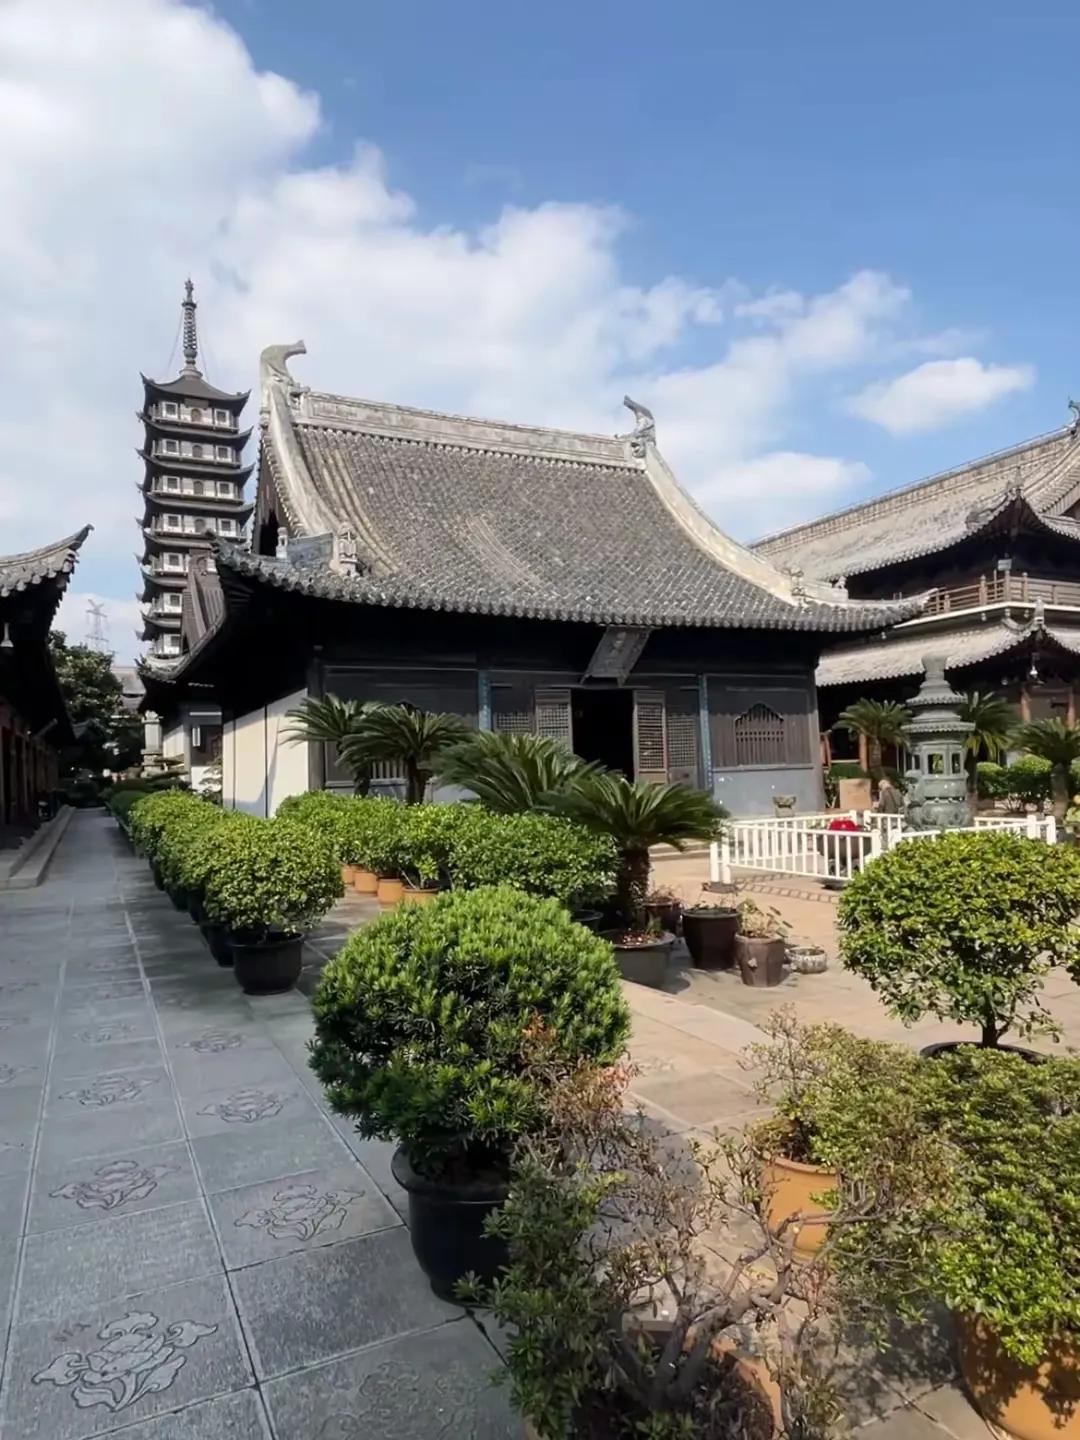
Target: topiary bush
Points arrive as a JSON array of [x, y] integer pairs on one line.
[[202, 855], [119, 803], [1027, 780], [271, 877], [965, 926], [540, 854], [179, 835], [324, 811], [991, 781], [428, 1021], [151, 815]]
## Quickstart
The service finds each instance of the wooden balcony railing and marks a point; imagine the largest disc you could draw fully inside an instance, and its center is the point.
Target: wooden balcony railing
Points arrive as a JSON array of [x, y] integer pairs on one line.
[[1003, 590]]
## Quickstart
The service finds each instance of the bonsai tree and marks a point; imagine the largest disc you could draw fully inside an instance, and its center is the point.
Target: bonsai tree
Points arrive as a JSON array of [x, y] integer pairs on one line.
[[426, 1019], [637, 815], [994, 720], [331, 721], [414, 738], [510, 773], [880, 723], [272, 877], [624, 1329], [965, 926], [1059, 743]]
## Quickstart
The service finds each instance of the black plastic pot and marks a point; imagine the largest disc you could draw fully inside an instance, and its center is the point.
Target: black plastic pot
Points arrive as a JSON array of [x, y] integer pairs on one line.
[[218, 942], [761, 961], [644, 964], [179, 898], [446, 1226], [159, 879], [196, 909], [266, 967], [710, 937], [591, 919]]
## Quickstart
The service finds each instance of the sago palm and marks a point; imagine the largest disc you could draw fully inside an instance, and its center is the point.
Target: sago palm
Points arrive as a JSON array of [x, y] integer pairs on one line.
[[1058, 742], [331, 721], [638, 815], [513, 773], [994, 720], [882, 722], [414, 738]]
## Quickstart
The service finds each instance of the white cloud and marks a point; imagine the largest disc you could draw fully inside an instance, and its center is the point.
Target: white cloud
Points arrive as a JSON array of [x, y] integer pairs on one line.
[[121, 618], [938, 392], [142, 143]]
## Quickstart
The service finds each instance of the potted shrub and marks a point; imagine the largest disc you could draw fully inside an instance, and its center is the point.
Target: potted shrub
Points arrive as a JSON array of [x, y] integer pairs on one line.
[[376, 833], [425, 1024], [637, 815], [1058, 743], [1027, 782], [150, 816], [846, 1110], [999, 1241], [543, 855], [175, 841], [273, 880], [709, 932], [200, 859], [427, 848], [965, 927], [760, 944], [629, 1329]]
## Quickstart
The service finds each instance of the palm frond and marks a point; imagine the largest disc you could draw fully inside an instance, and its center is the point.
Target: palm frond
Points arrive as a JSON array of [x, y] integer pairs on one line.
[[514, 773], [883, 721], [404, 733], [1052, 740], [994, 720], [638, 815]]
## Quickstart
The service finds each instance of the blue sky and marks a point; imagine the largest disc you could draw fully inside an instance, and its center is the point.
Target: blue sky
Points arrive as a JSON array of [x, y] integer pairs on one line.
[[834, 248]]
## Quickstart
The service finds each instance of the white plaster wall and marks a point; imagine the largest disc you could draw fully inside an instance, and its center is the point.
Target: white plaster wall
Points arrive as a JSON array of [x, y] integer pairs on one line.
[[228, 765], [287, 765], [173, 741], [249, 762]]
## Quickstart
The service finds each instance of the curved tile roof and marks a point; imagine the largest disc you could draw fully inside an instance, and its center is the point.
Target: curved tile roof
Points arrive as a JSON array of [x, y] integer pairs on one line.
[[32, 567], [902, 654], [457, 514], [933, 514]]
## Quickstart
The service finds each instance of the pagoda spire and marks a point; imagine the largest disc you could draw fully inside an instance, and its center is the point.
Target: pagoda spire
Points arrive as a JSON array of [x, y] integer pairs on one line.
[[190, 334]]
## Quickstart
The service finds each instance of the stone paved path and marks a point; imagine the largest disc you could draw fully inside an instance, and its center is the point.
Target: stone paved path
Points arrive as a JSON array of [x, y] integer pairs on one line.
[[191, 1245]]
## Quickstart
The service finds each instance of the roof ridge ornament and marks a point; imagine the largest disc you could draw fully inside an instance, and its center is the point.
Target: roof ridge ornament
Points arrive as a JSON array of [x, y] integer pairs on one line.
[[644, 429], [273, 369], [190, 332], [1074, 425]]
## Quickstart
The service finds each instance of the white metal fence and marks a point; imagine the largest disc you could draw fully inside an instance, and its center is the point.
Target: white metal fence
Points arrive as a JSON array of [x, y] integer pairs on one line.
[[803, 845]]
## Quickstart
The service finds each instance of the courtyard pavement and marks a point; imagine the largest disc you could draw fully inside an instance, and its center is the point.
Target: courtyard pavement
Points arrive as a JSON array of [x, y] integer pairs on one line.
[[193, 1246]]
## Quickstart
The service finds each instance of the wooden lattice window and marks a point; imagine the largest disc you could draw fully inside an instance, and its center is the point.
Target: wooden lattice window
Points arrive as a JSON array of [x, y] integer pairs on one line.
[[553, 714], [650, 735], [682, 740], [759, 737]]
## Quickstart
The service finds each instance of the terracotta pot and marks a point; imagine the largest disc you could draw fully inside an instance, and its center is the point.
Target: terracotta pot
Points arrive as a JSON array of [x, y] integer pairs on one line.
[[365, 882], [791, 1186], [389, 892], [761, 961], [348, 875], [416, 896], [1032, 1402]]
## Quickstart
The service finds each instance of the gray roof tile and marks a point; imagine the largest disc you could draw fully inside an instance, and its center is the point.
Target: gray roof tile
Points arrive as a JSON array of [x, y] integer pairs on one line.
[[902, 653], [18, 572]]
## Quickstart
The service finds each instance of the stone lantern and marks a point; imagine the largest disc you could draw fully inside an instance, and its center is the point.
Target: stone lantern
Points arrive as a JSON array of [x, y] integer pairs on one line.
[[936, 737]]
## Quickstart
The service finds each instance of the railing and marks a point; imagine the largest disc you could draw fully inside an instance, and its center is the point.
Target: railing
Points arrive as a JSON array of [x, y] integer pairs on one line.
[[803, 845], [1004, 589]]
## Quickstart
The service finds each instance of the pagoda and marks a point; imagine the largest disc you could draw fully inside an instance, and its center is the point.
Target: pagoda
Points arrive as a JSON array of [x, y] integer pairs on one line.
[[192, 485]]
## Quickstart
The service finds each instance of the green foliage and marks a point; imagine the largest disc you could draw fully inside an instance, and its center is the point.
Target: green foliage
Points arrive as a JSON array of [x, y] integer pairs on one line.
[[111, 738], [636, 816], [180, 834], [326, 812], [991, 780], [540, 854], [331, 721], [994, 720], [426, 1019], [201, 856], [119, 802], [512, 773], [429, 838], [415, 739], [1057, 742], [151, 815], [847, 770], [1002, 1240], [1027, 780], [271, 876], [835, 1096], [882, 722], [965, 926]]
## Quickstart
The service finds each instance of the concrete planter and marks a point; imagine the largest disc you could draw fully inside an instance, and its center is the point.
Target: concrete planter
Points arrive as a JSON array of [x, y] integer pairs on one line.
[[761, 960]]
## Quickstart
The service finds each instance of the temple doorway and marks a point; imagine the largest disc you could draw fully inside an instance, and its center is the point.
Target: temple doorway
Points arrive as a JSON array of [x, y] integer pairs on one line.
[[603, 728]]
